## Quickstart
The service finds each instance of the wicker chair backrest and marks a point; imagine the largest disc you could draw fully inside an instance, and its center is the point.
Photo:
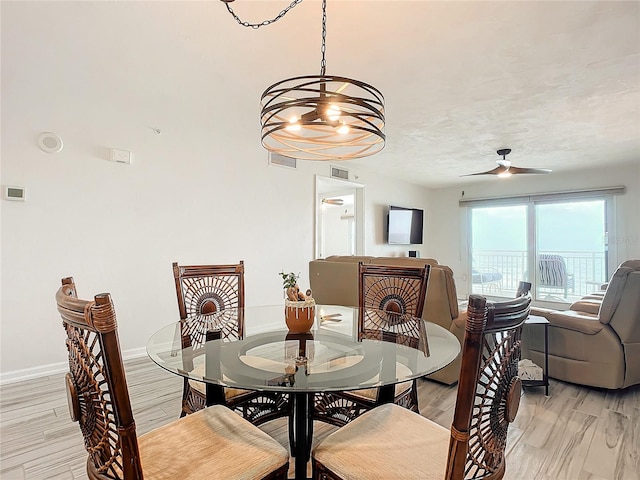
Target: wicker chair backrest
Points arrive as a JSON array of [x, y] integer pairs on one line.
[[96, 384], [214, 293], [400, 293], [489, 387]]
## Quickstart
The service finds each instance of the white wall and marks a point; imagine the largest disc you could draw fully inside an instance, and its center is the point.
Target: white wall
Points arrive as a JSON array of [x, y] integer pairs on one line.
[[339, 232], [117, 228], [199, 192], [379, 194], [447, 225]]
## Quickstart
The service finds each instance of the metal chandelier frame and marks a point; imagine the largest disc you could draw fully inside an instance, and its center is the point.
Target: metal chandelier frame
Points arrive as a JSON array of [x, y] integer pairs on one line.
[[320, 117]]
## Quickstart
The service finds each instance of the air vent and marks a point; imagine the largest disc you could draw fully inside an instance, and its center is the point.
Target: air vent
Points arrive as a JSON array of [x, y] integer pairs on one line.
[[339, 173], [282, 161]]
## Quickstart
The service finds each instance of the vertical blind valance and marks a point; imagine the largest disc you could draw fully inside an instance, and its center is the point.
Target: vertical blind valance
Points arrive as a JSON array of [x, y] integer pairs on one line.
[[539, 197]]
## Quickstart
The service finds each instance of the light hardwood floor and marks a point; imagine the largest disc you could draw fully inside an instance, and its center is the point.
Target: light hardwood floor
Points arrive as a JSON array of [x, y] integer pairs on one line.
[[576, 433]]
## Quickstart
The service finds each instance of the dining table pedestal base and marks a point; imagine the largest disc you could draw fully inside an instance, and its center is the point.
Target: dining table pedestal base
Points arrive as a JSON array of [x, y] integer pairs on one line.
[[302, 432]]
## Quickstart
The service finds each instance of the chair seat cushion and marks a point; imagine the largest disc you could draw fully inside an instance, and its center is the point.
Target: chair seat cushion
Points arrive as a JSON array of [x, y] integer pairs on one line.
[[371, 394], [213, 443], [229, 392], [386, 442]]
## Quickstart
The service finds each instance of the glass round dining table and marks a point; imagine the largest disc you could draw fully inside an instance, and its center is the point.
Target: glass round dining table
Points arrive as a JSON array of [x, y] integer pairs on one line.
[[251, 349]]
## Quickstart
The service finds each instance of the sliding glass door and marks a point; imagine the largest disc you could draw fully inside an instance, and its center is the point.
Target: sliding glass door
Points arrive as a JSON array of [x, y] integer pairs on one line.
[[559, 245], [499, 249], [571, 255]]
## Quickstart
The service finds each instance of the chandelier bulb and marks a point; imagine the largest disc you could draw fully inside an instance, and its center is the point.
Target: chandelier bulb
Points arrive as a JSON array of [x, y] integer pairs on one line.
[[317, 130], [333, 112], [294, 125]]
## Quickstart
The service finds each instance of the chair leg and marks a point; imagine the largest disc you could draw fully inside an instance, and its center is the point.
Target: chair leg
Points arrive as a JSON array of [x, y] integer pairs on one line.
[[409, 399], [292, 439], [192, 400], [413, 397], [185, 398]]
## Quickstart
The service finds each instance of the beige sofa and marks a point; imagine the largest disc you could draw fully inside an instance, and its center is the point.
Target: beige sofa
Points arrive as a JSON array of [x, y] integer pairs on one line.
[[596, 341], [334, 281]]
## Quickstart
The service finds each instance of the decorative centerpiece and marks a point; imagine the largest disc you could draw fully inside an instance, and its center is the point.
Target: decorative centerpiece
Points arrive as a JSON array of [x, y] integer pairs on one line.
[[299, 308]]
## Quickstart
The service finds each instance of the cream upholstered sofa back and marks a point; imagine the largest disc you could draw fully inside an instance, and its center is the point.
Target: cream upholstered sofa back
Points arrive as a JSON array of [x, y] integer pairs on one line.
[[334, 281]]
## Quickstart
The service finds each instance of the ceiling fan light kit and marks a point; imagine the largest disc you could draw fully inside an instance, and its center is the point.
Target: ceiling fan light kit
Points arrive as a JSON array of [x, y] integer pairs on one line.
[[505, 169], [320, 117]]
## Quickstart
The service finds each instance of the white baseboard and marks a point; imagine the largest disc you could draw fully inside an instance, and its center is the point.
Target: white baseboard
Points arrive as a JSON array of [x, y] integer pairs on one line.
[[53, 368]]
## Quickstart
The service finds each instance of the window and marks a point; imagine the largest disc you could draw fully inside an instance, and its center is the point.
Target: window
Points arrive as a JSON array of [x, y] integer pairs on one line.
[[499, 249], [556, 242], [570, 249]]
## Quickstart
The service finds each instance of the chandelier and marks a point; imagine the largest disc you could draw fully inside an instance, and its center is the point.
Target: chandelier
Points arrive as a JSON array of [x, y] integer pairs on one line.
[[320, 117]]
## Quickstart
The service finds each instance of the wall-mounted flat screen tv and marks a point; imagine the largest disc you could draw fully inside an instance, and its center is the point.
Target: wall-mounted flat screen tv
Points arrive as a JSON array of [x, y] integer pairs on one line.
[[404, 226]]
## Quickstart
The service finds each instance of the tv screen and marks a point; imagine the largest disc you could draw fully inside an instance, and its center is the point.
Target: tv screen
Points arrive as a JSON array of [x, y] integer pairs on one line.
[[404, 226]]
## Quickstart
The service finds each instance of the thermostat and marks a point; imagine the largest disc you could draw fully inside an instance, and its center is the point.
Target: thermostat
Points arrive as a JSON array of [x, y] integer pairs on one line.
[[13, 193]]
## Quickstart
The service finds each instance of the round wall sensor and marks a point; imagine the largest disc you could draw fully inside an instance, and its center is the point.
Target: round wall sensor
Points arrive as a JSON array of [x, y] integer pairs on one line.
[[49, 142]]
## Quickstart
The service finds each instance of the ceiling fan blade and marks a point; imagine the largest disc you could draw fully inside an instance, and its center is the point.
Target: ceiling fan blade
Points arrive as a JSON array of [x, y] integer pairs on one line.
[[496, 171], [333, 201], [505, 168], [518, 170]]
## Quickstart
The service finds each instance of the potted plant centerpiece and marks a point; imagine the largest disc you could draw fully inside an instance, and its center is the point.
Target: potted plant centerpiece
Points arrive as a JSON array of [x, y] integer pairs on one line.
[[299, 308]]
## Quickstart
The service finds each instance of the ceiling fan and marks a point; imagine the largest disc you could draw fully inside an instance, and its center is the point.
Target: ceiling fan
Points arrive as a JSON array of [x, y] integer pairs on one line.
[[333, 201], [505, 169]]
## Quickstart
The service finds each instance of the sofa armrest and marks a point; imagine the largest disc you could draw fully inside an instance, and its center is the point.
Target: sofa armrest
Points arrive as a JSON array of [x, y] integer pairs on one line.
[[460, 321], [594, 296], [543, 312], [586, 306], [437, 307], [576, 321]]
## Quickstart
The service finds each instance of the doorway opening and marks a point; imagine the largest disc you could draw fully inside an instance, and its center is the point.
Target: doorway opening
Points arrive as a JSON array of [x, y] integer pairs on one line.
[[339, 217]]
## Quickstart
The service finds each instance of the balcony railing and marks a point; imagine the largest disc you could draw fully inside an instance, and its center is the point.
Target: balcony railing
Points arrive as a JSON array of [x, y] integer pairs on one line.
[[498, 272]]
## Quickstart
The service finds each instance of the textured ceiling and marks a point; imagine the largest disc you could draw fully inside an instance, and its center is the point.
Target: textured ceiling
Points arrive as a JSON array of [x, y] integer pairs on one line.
[[557, 82]]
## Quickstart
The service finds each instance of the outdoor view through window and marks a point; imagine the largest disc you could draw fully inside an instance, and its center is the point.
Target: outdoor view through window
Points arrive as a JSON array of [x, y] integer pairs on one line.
[[566, 248]]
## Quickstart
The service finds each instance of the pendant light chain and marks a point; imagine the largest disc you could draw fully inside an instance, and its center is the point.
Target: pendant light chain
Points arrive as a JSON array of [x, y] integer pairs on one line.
[[323, 63], [264, 22], [319, 117]]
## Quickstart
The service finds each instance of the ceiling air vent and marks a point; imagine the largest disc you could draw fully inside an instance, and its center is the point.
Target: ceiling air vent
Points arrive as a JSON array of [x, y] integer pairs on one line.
[[339, 173], [282, 161]]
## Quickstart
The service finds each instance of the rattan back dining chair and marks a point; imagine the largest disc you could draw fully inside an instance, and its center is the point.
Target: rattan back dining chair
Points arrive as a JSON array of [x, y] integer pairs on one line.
[[393, 442], [214, 294], [391, 301], [213, 443]]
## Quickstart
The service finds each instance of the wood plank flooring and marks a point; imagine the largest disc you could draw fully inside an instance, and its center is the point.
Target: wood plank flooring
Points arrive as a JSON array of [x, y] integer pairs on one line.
[[576, 433]]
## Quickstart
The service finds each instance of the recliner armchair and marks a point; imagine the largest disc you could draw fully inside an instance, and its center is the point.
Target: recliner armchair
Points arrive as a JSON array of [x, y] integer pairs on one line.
[[596, 341]]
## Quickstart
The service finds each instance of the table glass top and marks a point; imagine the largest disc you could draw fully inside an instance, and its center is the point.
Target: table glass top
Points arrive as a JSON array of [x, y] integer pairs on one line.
[[251, 348]]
